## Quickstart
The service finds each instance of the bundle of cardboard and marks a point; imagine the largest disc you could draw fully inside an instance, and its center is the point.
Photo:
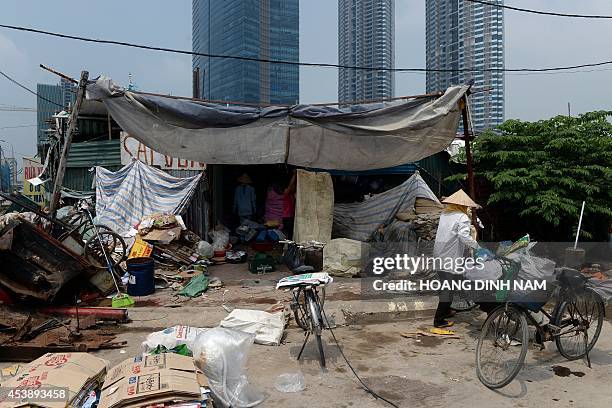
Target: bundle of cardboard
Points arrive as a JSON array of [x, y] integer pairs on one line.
[[55, 380], [152, 381], [424, 218]]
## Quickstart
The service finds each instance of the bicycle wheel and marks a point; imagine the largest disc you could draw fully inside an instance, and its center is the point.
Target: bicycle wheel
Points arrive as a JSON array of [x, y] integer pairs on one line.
[[580, 320], [502, 346], [112, 244], [316, 320], [300, 314]]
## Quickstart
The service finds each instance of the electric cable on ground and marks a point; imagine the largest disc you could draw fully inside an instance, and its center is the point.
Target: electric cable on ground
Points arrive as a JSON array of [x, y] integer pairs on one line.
[[363, 384]]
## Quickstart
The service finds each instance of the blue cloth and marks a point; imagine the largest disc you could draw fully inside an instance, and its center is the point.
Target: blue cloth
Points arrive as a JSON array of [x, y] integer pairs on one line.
[[244, 200], [124, 197]]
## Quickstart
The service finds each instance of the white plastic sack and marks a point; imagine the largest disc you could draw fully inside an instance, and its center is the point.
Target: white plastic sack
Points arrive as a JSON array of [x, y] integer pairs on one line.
[[172, 337], [221, 354], [345, 257], [205, 249], [491, 271], [267, 327]]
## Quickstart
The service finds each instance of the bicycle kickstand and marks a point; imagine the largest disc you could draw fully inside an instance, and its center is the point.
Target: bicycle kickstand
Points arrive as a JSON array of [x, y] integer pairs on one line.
[[303, 345], [586, 348]]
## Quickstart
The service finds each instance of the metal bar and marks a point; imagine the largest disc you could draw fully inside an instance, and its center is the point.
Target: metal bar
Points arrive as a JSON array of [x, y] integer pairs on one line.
[[74, 115], [66, 77], [102, 313]]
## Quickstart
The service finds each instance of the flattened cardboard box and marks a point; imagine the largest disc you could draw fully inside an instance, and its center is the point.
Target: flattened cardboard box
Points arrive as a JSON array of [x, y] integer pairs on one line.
[[69, 371], [148, 364], [157, 386], [150, 379]]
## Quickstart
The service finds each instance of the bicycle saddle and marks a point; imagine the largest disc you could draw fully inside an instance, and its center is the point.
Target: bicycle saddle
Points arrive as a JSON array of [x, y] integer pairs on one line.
[[571, 278], [302, 269]]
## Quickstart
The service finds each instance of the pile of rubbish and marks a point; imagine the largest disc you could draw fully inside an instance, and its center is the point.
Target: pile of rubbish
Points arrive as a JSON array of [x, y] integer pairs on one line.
[[214, 371], [25, 336], [423, 219]]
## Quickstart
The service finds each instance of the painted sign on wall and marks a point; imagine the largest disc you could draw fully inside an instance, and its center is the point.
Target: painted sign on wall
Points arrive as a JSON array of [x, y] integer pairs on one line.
[[33, 168], [130, 147]]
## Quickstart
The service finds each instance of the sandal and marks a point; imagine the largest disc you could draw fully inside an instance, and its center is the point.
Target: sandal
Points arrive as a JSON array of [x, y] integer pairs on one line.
[[443, 323]]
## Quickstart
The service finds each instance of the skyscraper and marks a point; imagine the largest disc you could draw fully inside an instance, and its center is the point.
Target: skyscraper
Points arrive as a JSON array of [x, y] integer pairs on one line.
[[263, 29], [468, 37], [56, 98], [366, 32]]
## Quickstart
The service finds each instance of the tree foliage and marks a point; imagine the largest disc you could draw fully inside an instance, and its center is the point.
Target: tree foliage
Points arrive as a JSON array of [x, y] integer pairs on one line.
[[541, 171]]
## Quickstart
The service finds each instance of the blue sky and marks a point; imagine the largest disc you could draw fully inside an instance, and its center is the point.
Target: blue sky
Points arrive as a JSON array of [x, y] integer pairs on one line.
[[531, 41]]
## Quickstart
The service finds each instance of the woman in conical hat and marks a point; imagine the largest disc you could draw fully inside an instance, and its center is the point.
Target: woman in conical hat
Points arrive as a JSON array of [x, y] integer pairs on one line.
[[453, 235]]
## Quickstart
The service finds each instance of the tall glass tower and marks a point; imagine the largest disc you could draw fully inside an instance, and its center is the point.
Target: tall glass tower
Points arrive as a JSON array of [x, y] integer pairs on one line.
[[263, 29], [366, 31], [56, 98], [469, 38]]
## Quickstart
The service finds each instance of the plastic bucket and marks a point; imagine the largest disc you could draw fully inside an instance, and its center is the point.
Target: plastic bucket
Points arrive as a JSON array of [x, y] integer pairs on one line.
[[141, 281]]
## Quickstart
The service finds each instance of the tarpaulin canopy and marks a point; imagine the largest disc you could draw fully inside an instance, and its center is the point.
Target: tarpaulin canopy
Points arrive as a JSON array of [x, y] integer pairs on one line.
[[355, 137], [359, 221], [124, 197]]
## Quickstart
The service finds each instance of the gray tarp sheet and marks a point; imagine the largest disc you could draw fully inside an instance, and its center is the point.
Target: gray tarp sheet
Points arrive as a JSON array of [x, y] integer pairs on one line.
[[359, 221], [357, 137]]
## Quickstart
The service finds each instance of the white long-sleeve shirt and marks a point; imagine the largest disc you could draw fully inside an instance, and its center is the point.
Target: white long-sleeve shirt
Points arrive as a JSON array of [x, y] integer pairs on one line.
[[453, 235]]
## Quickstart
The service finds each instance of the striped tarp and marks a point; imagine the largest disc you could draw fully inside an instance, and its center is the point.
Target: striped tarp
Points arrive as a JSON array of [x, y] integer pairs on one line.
[[359, 221], [124, 197]]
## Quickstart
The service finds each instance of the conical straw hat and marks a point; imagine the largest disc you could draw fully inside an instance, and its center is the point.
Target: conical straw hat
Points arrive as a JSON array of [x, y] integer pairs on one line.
[[461, 198], [244, 179]]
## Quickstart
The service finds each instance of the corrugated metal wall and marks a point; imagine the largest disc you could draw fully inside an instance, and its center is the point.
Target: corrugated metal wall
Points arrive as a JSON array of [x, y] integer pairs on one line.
[[196, 216], [434, 169], [86, 155]]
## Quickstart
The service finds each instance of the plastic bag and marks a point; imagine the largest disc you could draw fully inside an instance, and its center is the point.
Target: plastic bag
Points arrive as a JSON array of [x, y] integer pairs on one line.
[[267, 327], [221, 354], [205, 250], [172, 337], [220, 237], [290, 382]]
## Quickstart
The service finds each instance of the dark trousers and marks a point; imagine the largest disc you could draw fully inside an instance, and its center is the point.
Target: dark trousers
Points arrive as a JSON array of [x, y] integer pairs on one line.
[[288, 227], [445, 297]]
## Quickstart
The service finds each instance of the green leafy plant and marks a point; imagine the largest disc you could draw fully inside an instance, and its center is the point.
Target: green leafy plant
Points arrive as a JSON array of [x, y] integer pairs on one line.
[[539, 173]]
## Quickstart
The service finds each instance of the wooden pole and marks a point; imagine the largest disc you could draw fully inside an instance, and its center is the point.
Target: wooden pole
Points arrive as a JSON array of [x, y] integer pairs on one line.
[[61, 170], [110, 128], [468, 148]]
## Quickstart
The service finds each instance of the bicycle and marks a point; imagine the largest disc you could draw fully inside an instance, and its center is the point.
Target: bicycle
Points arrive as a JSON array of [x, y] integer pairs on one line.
[[306, 304], [575, 325], [94, 247]]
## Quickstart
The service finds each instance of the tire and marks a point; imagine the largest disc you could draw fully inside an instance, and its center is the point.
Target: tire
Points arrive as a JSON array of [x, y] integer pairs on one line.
[[112, 242], [300, 312], [316, 321], [585, 307], [503, 326]]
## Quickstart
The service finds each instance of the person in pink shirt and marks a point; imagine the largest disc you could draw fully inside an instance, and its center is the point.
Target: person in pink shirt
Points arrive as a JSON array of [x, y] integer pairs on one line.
[[289, 206]]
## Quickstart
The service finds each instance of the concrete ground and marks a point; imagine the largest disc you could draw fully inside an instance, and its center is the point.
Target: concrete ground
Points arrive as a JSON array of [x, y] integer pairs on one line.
[[429, 372]]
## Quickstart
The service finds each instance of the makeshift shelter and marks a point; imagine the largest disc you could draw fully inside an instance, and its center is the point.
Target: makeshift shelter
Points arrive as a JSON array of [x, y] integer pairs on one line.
[[124, 197], [377, 135]]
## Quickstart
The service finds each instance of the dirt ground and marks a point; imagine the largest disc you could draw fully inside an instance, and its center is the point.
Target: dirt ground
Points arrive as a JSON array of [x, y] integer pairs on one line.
[[425, 372], [431, 372]]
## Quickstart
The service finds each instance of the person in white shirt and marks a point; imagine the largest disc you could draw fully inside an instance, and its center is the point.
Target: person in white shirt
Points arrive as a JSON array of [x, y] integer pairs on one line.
[[454, 234]]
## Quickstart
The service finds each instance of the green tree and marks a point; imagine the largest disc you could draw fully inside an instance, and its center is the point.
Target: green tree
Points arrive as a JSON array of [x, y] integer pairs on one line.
[[538, 174]]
